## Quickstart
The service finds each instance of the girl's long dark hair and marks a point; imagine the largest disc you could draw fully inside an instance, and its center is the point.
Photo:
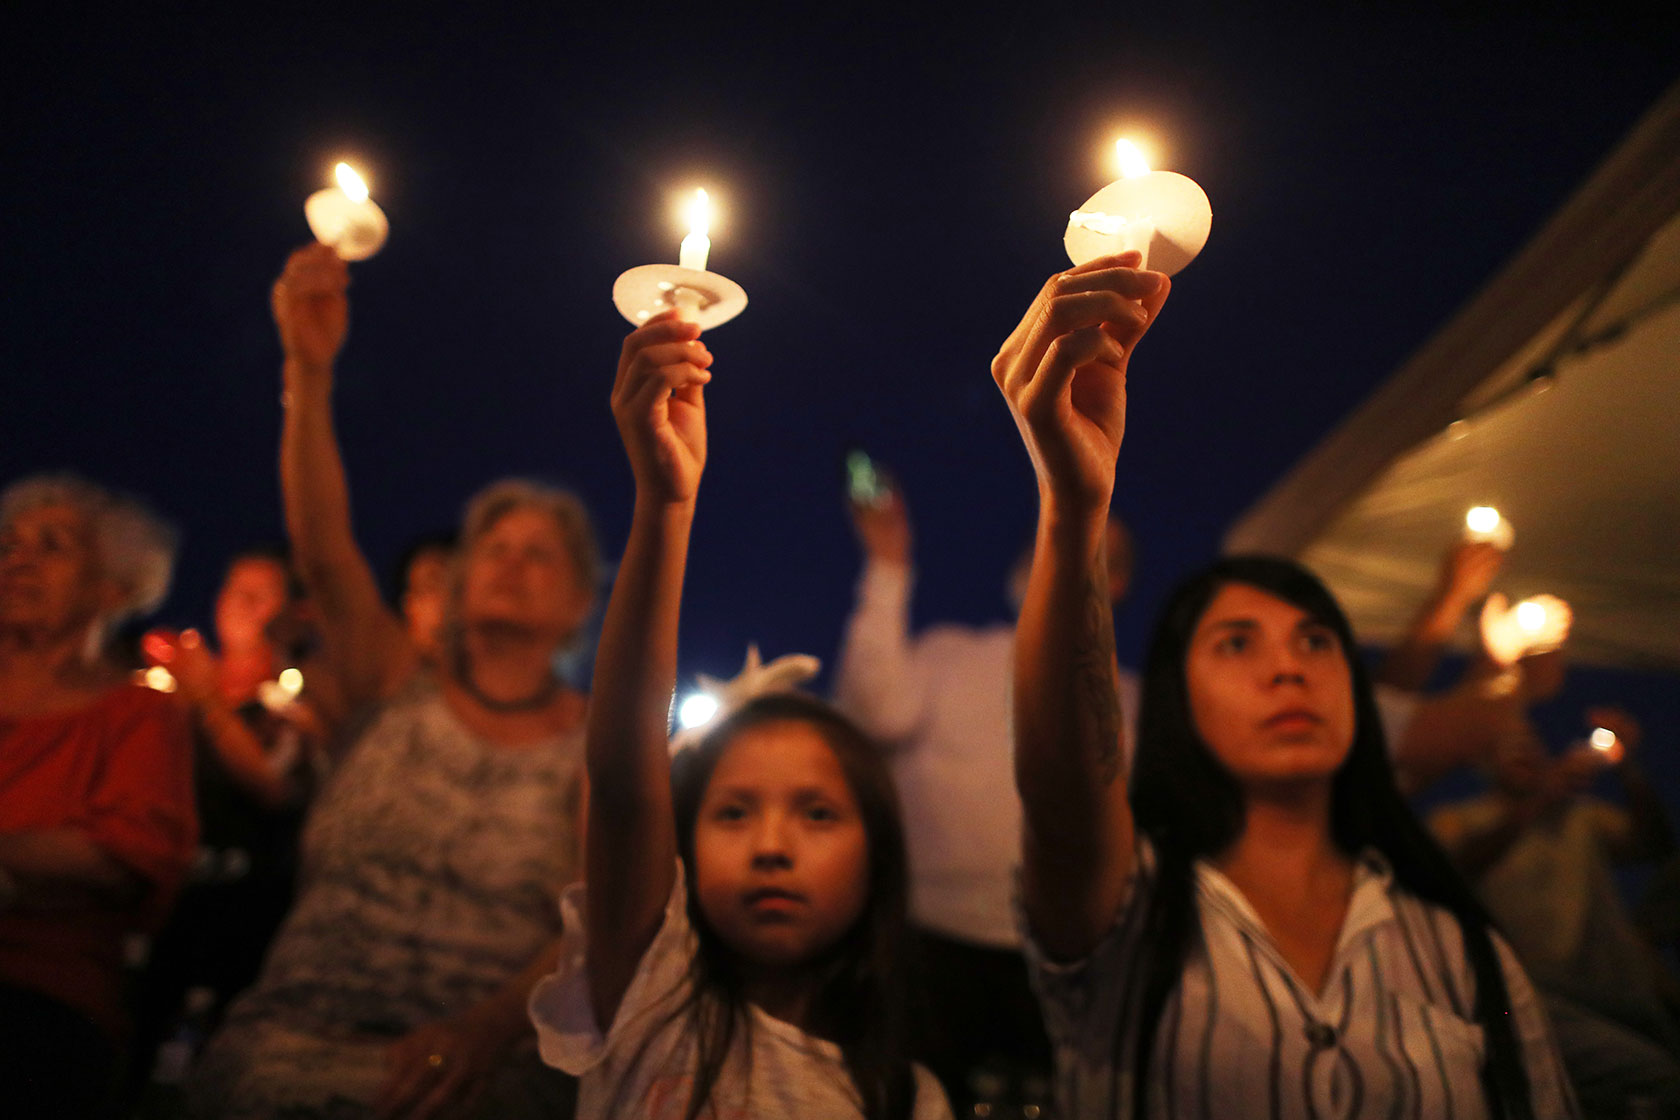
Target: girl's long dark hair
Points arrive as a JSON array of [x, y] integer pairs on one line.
[[1190, 807], [861, 1001]]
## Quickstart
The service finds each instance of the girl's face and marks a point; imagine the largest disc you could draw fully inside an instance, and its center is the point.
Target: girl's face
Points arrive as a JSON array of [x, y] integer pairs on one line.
[[1270, 689], [781, 854]]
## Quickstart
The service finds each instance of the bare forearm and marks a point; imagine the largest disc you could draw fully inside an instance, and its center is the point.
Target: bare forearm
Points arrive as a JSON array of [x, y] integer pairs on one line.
[[1411, 663], [1077, 843], [62, 867], [244, 755], [632, 847], [1067, 707], [364, 642]]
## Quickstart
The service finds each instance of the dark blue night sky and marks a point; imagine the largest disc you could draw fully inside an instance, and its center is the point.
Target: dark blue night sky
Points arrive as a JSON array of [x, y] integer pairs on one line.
[[895, 189]]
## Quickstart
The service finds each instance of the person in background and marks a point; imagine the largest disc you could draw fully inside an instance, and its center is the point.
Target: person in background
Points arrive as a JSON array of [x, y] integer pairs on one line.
[[939, 702], [1432, 735], [424, 574], [1540, 852], [96, 804], [432, 857], [1252, 921], [256, 749]]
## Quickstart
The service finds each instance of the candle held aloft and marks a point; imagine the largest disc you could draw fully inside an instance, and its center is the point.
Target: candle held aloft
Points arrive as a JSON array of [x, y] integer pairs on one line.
[[346, 218], [698, 294], [1602, 739], [1161, 214], [697, 246], [1483, 524]]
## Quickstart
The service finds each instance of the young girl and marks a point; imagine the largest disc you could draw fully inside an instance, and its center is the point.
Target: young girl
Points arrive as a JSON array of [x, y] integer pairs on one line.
[[1262, 928], [741, 951]]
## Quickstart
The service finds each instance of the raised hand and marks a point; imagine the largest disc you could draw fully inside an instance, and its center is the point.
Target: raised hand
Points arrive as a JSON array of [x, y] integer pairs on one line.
[[1467, 571], [884, 529], [1506, 637], [311, 308], [1063, 372], [658, 403]]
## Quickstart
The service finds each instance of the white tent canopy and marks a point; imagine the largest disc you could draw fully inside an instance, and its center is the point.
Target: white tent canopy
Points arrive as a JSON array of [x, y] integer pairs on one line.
[[1554, 395]]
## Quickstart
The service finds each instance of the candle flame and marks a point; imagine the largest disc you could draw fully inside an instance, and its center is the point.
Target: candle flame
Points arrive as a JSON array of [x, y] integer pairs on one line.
[[1482, 519], [160, 679], [1603, 738], [351, 183], [1531, 616], [698, 214], [1130, 158], [291, 680]]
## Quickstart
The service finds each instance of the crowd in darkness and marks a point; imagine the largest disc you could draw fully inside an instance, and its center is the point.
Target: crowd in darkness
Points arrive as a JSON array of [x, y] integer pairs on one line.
[[350, 853]]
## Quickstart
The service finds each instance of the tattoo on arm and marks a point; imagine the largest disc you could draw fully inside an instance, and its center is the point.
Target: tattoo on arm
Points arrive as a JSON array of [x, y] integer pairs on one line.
[[1097, 690]]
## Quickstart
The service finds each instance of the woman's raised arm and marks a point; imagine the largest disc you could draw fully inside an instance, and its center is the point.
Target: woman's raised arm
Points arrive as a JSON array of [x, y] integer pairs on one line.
[[1063, 372], [364, 642]]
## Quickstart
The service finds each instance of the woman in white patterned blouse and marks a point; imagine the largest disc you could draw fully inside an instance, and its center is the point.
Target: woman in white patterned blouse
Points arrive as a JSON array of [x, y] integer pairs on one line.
[[1258, 926]]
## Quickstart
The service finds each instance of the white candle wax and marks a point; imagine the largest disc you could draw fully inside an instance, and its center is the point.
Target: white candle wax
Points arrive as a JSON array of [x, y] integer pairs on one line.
[[1161, 214], [346, 218]]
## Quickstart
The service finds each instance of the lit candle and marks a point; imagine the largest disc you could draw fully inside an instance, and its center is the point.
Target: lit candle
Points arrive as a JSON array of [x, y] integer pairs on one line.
[[158, 678], [1602, 739], [1483, 524], [278, 694], [698, 294], [346, 218], [1161, 214], [697, 245], [1531, 616]]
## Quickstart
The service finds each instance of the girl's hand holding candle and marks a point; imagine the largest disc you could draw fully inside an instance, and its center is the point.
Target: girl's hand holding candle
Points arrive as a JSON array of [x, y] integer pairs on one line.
[[697, 295]]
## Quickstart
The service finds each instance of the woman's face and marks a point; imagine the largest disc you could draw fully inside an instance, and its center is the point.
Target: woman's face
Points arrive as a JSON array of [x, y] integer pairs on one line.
[[1271, 693], [252, 596], [50, 572], [518, 573], [781, 853]]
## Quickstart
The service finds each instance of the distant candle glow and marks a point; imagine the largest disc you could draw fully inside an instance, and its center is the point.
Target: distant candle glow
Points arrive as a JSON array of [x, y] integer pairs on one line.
[[353, 185], [291, 680], [1130, 159], [160, 679], [697, 708], [697, 245], [1602, 739], [1482, 519], [1531, 616]]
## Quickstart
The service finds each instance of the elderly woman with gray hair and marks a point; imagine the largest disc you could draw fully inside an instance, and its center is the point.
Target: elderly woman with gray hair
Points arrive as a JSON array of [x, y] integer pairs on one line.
[[96, 812], [434, 856]]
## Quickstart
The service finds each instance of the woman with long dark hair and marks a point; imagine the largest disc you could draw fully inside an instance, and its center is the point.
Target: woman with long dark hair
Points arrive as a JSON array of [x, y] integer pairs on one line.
[[1261, 927]]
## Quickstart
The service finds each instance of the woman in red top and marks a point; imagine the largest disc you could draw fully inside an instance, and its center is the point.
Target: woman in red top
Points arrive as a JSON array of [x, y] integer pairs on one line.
[[96, 814]]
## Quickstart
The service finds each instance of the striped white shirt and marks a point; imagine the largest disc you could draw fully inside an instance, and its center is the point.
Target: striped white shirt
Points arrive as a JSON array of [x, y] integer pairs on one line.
[[1392, 1035]]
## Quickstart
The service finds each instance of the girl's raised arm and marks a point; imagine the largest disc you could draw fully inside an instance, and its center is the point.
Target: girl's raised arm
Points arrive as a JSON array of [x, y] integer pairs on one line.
[[1063, 372], [632, 849]]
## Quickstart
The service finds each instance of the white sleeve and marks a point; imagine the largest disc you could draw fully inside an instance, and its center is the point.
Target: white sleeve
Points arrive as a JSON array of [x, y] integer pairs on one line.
[[568, 1037], [880, 682]]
